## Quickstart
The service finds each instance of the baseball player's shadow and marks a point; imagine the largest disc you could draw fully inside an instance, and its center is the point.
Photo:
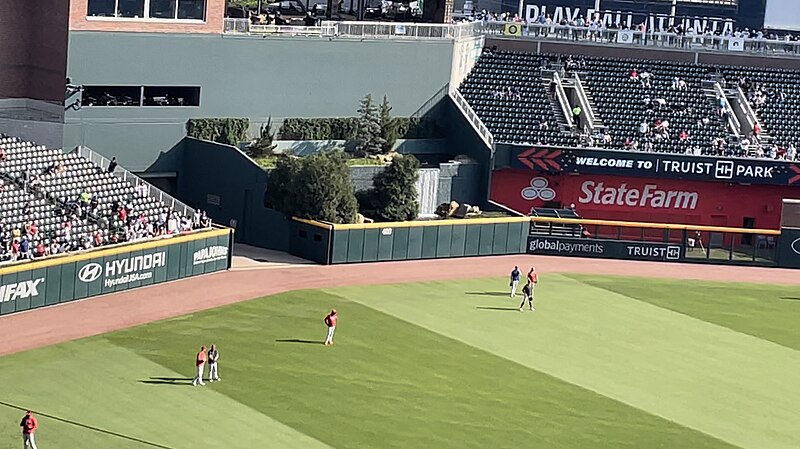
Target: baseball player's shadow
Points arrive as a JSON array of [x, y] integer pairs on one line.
[[168, 381], [299, 340], [488, 293], [497, 308], [790, 298]]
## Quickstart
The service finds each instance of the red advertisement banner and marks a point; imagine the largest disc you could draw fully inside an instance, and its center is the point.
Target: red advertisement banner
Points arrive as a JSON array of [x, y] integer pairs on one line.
[[644, 199]]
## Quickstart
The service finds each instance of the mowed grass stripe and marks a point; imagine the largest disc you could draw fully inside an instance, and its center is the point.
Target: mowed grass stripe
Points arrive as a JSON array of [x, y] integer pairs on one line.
[[771, 312], [390, 384], [99, 384], [727, 384]]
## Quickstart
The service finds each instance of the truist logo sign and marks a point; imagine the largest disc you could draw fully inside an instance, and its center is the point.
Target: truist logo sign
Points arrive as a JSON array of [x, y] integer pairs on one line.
[[538, 189], [650, 196]]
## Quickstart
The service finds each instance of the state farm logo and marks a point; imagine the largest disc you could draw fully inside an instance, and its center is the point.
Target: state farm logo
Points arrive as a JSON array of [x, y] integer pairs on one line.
[[90, 272], [648, 197], [538, 190]]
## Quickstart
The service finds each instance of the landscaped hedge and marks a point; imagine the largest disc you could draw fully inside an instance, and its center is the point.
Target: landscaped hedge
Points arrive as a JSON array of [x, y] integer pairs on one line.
[[346, 128], [230, 131]]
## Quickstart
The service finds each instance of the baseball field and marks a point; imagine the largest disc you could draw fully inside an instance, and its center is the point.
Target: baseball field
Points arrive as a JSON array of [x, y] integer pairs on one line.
[[603, 362]]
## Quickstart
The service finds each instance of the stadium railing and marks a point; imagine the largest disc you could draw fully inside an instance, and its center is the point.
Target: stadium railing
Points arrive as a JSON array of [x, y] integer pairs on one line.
[[369, 30], [531, 31], [472, 117], [135, 181]]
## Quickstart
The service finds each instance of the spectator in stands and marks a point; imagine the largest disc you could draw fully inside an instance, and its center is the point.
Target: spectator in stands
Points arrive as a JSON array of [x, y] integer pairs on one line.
[[3, 155], [112, 165], [756, 131], [644, 78], [634, 76], [576, 115], [683, 136], [644, 128], [678, 84], [309, 20]]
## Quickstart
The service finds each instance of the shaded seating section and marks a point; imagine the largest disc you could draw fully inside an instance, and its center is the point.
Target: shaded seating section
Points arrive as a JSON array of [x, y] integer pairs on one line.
[[64, 202], [780, 114], [507, 92]]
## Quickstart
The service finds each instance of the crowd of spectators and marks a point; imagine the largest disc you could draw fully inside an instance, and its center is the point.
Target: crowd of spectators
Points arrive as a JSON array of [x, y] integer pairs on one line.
[[83, 222]]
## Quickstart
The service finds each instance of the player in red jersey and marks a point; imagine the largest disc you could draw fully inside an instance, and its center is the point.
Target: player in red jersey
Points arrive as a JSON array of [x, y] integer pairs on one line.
[[330, 321]]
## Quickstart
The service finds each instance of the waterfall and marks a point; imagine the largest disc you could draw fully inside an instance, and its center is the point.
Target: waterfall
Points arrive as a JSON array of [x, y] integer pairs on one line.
[[428, 190]]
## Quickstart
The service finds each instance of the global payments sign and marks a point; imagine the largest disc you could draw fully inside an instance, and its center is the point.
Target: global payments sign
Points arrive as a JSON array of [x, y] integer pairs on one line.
[[124, 270], [604, 248]]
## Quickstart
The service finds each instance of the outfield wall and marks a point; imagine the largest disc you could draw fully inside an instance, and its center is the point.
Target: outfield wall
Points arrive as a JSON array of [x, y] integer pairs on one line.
[[66, 278], [658, 242]]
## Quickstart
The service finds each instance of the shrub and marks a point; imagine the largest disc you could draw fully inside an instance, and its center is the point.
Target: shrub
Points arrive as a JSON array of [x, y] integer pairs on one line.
[[229, 131]]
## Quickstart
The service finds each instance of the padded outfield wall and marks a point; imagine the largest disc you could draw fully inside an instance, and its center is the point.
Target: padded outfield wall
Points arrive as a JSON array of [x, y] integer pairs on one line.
[[61, 279]]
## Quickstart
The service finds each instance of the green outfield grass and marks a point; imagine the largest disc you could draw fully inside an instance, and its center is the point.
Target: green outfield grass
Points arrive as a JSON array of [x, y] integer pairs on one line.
[[603, 363]]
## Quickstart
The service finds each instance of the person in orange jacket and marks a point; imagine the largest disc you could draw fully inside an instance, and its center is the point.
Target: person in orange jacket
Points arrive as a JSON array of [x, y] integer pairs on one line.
[[29, 426]]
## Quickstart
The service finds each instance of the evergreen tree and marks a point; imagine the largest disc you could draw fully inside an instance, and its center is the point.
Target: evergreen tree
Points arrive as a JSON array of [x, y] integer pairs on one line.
[[263, 145], [394, 192], [388, 126], [368, 140], [316, 187]]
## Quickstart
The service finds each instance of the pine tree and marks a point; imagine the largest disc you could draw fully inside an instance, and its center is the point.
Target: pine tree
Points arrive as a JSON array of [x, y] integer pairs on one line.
[[388, 126], [316, 187], [368, 141], [263, 145], [394, 191]]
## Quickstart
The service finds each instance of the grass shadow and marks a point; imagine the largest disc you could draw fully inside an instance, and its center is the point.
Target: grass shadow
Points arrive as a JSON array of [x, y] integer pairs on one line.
[[791, 298], [89, 427], [298, 340], [498, 308], [168, 381], [506, 294]]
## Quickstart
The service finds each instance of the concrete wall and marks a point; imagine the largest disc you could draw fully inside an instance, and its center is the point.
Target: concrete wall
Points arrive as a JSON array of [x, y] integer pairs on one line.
[[211, 173], [240, 76], [33, 49]]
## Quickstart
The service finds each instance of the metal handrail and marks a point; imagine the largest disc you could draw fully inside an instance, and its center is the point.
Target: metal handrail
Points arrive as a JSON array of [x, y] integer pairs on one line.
[[584, 101], [431, 102], [733, 120], [125, 175], [561, 95], [472, 117]]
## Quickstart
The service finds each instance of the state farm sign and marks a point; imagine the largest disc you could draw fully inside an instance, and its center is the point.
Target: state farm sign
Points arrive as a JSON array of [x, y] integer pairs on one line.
[[593, 192], [634, 198]]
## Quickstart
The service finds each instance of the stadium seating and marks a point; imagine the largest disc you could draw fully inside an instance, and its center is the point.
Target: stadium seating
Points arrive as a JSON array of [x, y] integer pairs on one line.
[[42, 189], [507, 92], [623, 104]]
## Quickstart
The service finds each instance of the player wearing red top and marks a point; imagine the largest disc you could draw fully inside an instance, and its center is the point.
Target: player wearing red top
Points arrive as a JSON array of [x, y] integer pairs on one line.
[[200, 363], [527, 291], [330, 321], [29, 426]]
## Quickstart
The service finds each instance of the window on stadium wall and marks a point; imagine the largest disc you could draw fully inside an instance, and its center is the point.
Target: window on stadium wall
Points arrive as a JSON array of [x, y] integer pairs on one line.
[[148, 9], [94, 96]]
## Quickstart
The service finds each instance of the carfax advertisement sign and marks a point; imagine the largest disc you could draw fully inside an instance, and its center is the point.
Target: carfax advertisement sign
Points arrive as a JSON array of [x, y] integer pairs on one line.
[[656, 165], [602, 248]]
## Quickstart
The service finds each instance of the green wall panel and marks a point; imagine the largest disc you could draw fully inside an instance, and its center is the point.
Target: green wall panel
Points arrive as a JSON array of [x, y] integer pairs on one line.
[[385, 244], [458, 240], [414, 243], [443, 238], [486, 242], [429, 236], [500, 238], [355, 246], [472, 243], [371, 245], [514, 241], [341, 240], [400, 243], [77, 277]]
